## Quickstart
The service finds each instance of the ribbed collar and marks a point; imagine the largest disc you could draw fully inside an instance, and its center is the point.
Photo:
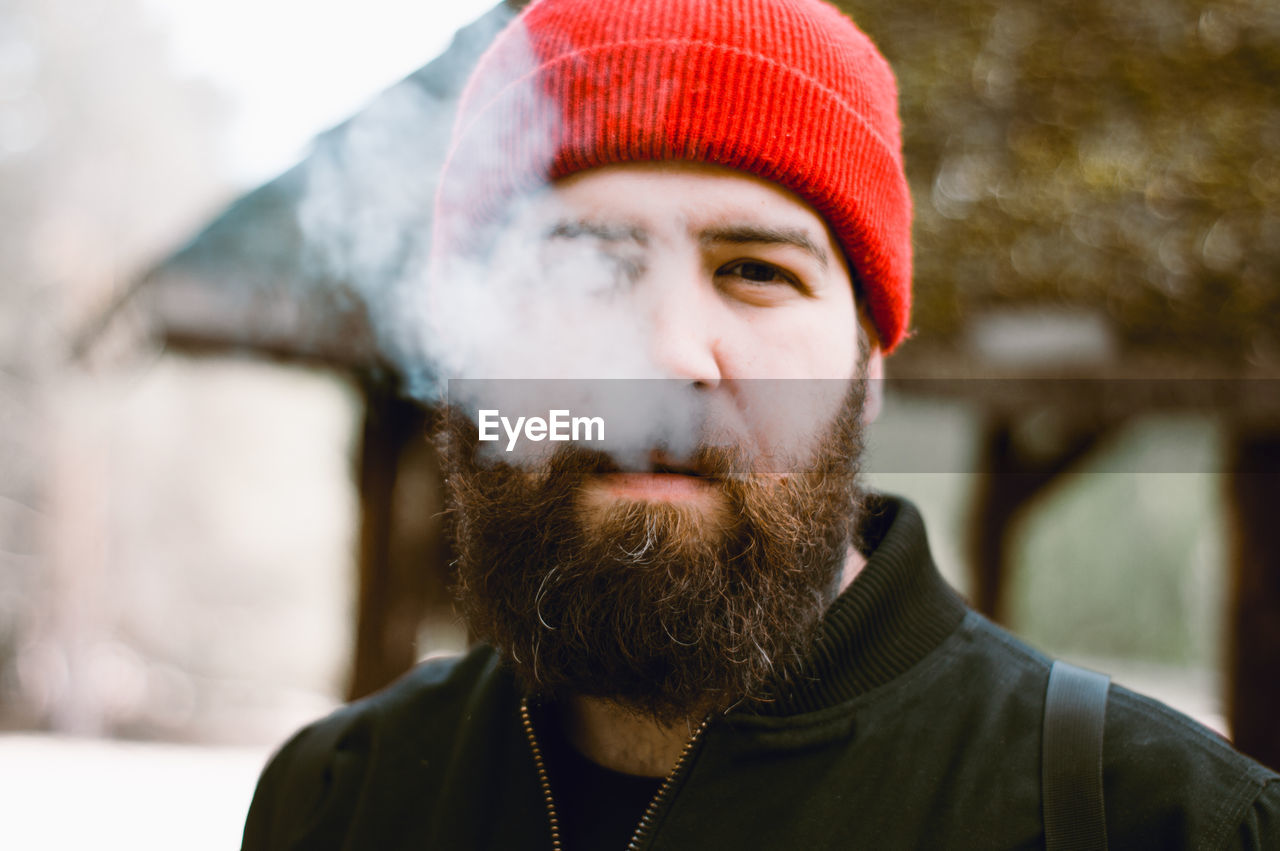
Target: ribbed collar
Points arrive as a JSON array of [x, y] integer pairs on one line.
[[890, 617]]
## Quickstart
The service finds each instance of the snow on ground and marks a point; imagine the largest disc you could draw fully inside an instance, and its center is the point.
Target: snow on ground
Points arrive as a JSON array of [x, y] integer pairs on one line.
[[63, 793]]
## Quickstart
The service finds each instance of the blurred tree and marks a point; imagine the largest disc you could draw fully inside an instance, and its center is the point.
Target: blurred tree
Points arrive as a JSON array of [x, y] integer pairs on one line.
[[1120, 157], [105, 159]]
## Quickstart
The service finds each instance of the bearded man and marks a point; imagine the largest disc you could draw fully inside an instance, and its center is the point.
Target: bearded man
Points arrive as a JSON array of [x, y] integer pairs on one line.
[[714, 639]]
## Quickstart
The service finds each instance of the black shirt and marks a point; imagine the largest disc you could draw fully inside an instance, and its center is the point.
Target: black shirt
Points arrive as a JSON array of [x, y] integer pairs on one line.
[[597, 807]]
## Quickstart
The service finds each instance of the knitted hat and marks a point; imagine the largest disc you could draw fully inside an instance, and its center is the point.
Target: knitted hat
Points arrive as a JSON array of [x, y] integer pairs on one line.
[[787, 90]]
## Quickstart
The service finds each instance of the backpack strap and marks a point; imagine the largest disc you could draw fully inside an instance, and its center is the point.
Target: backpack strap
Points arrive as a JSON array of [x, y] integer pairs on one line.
[[1071, 759]]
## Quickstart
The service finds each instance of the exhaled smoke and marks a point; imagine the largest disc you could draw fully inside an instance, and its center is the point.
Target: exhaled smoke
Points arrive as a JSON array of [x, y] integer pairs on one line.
[[469, 287], [366, 215], [369, 190], [462, 285]]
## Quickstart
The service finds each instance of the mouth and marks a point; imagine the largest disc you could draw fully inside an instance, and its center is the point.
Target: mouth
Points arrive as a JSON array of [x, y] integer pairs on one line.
[[654, 486], [665, 480]]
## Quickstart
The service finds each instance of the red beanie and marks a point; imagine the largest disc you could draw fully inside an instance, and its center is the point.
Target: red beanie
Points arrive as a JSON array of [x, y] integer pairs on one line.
[[787, 90]]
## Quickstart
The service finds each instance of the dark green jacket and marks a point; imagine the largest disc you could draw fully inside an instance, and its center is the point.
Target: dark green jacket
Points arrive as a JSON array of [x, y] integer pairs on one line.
[[919, 727]]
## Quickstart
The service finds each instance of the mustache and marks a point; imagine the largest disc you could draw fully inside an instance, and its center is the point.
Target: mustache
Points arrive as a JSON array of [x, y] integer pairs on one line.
[[455, 433], [715, 463]]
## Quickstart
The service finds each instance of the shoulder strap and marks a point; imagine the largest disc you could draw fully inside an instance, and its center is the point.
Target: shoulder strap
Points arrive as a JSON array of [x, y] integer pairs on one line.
[[1071, 759]]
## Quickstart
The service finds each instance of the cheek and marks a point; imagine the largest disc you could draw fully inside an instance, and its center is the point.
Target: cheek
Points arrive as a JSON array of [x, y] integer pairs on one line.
[[797, 364], [833, 347], [815, 339], [786, 417]]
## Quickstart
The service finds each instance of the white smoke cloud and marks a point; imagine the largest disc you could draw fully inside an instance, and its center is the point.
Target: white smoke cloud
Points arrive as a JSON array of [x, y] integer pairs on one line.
[[538, 320]]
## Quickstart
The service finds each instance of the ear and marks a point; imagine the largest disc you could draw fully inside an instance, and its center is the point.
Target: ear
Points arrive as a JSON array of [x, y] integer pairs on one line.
[[873, 370]]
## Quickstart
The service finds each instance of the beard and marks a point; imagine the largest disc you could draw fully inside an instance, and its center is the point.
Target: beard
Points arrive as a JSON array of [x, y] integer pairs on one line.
[[666, 609]]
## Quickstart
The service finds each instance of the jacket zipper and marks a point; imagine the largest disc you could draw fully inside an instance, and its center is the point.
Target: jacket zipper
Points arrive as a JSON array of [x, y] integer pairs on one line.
[[650, 812]]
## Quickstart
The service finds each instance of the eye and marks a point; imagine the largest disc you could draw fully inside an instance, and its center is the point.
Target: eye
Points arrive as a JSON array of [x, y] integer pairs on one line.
[[763, 273], [755, 271]]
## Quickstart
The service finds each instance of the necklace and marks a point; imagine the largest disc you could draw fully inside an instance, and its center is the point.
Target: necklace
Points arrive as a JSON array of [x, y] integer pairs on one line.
[[650, 812]]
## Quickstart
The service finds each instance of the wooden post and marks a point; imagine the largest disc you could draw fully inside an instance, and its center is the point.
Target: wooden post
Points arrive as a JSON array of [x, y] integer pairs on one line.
[[1253, 703], [401, 560], [1009, 477]]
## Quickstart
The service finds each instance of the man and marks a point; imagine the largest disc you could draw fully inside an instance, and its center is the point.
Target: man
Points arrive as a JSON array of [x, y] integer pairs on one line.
[[709, 637]]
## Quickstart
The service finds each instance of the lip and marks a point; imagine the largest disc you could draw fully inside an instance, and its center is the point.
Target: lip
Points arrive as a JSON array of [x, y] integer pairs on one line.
[[654, 486]]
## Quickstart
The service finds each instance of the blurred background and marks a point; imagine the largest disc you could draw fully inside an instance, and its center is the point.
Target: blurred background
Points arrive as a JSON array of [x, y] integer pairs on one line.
[[218, 520]]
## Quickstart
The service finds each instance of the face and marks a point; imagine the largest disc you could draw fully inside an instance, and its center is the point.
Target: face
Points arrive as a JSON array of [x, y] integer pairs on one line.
[[696, 578], [724, 282]]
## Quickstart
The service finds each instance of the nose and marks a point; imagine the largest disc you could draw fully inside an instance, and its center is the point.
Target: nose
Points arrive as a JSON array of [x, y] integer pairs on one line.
[[685, 331]]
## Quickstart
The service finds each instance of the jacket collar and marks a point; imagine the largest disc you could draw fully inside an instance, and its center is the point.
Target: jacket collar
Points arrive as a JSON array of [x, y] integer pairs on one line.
[[897, 610]]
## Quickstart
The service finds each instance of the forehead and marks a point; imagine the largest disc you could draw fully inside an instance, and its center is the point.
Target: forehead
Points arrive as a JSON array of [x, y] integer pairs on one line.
[[676, 197]]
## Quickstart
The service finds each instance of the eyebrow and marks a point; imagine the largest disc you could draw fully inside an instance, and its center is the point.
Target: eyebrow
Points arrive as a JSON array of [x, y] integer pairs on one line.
[[731, 234], [576, 228], [748, 234]]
